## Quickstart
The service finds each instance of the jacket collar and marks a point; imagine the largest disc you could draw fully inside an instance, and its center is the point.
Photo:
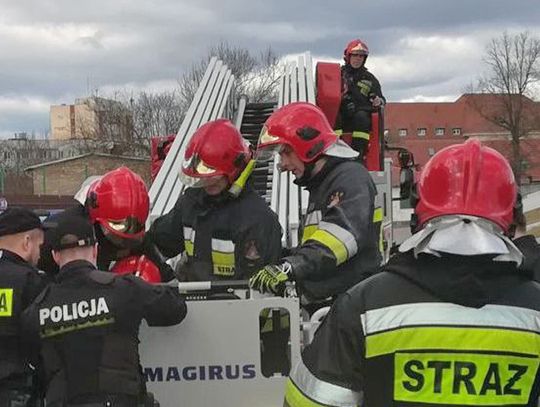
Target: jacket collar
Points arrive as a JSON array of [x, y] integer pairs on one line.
[[74, 268], [11, 256]]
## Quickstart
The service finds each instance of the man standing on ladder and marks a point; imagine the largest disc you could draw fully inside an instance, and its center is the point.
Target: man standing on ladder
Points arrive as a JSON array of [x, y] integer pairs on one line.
[[361, 94]]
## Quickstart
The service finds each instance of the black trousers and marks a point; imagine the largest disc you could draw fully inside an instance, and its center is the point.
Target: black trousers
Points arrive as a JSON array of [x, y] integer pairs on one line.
[[350, 123], [10, 397]]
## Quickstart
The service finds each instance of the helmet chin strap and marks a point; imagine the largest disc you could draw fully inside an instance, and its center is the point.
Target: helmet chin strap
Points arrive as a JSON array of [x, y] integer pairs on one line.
[[306, 176], [240, 183]]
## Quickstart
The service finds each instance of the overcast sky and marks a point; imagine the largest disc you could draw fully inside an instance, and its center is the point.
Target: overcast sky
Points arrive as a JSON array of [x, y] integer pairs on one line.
[[52, 51]]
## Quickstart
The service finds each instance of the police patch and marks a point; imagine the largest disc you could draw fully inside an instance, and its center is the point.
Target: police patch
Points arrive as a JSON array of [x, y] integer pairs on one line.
[[335, 198]]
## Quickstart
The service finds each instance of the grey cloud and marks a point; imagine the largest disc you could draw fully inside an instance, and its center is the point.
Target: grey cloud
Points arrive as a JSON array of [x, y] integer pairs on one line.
[[111, 43]]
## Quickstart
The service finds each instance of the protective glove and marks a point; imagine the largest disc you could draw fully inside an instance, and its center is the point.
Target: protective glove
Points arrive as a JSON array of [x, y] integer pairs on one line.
[[271, 278], [377, 101]]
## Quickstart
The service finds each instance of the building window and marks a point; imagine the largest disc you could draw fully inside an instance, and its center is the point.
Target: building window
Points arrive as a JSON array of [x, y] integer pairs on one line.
[[439, 131], [456, 131], [421, 131], [402, 132], [431, 151]]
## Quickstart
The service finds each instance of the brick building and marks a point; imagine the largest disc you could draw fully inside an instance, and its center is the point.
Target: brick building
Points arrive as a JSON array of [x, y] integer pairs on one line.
[[64, 177], [425, 128]]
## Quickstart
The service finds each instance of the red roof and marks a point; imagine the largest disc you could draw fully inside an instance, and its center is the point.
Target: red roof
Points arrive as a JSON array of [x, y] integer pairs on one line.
[[466, 117]]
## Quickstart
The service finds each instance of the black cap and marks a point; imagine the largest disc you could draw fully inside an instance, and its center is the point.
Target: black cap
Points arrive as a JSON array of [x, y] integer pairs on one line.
[[69, 232], [18, 220]]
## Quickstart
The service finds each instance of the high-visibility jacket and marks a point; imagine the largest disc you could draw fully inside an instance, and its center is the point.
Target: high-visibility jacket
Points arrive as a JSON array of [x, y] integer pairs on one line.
[[450, 331], [20, 283], [340, 233], [224, 238]]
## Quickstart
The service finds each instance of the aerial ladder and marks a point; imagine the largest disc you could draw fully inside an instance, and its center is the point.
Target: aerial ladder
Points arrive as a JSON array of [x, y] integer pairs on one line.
[[217, 356]]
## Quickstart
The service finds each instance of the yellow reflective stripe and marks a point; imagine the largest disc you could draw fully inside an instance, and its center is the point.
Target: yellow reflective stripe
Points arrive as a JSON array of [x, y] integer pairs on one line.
[[223, 263], [308, 231], [224, 259], [6, 302], [295, 398], [452, 338], [360, 134], [338, 132], [464, 378], [336, 246], [378, 215], [188, 245], [377, 221], [365, 87]]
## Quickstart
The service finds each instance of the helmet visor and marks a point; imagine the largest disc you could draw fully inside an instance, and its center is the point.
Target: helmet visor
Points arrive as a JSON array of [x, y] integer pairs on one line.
[[196, 173], [199, 182], [128, 226], [268, 146]]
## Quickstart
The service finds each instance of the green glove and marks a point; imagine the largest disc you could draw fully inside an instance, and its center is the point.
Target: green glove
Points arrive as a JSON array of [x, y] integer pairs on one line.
[[271, 278]]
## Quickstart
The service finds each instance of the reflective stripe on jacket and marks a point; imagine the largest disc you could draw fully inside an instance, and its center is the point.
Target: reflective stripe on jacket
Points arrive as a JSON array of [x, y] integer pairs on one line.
[[223, 239], [339, 241], [394, 340]]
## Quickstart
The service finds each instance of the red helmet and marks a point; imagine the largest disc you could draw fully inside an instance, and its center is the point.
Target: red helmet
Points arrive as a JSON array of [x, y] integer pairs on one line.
[[300, 125], [355, 47], [215, 149], [119, 203], [467, 179], [141, 266]]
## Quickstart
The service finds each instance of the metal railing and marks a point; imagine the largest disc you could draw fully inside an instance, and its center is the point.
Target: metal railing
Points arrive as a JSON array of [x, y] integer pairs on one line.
[[288, 200]]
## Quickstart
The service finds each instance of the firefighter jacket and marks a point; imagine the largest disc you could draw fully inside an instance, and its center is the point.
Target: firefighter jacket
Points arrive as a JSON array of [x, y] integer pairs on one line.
[[432, 331], [359, 86], [340, 233], [87, 324], [223, 237], [20, 283]]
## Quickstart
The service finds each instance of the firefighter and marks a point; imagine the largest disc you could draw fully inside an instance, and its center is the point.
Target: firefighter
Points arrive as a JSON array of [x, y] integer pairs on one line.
[[86, 324], [339, 245], [361, 94], [117, 204], [451, 320], [21, 235], [225, 230]]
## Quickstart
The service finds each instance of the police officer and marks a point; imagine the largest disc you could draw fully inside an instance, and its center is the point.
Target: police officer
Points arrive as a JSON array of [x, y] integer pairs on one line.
[[20, 282], [224, 228], [87, 323], [340, 230], [451, 320], [361, 94]]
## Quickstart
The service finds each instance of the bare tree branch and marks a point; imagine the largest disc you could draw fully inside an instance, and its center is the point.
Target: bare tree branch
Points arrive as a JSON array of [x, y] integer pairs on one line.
[[513, 63], [255, 76]]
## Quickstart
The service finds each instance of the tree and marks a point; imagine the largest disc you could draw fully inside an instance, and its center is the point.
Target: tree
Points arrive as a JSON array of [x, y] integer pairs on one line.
[[513, 63], [256, 76], [156, 114]]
